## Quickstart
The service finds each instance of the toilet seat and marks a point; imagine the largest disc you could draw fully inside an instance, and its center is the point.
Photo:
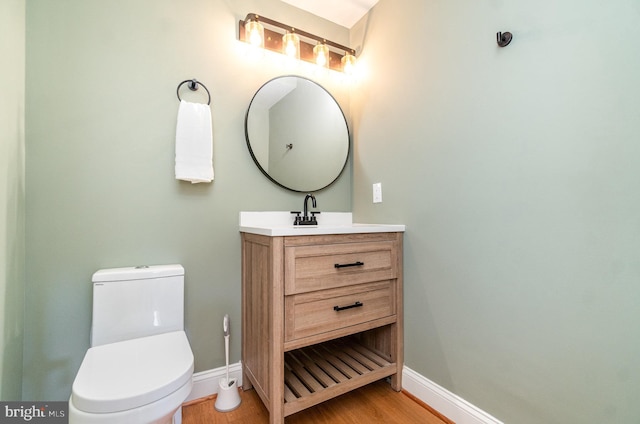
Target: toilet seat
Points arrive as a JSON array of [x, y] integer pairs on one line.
[[126, 375]]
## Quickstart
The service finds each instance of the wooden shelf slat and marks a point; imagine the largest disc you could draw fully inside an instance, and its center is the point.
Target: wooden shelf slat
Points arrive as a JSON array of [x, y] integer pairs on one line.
[[325, 379], [294, 383], [351, 364], [326, 366]]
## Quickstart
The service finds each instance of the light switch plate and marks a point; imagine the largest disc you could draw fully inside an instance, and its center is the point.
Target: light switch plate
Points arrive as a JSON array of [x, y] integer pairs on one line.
[[377, 193]]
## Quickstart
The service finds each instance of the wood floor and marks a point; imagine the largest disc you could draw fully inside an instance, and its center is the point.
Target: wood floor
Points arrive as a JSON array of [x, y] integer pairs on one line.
[[372, 404]]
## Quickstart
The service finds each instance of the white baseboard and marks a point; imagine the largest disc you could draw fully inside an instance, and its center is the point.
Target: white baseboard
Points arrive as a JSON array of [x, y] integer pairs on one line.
[[448, 404], [205, 383]]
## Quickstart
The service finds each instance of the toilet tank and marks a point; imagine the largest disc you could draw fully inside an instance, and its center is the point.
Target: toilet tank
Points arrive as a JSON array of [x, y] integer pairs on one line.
[[130, 303]]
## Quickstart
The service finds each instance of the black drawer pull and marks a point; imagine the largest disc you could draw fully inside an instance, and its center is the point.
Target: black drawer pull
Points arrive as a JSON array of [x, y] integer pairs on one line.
[[342, 308], [346, 265]]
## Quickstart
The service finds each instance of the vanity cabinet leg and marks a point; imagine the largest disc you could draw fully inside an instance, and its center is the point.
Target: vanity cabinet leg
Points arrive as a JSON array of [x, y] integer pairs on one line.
[[276, 331], [276, 388], [397, 329], [276, 415], [396, 381]]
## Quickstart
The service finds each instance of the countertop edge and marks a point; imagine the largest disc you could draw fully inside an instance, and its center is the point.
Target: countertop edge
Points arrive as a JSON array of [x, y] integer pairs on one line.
[[309, 231]]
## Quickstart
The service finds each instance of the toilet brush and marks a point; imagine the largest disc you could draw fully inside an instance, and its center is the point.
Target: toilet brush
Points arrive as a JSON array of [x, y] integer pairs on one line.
[[228, 397], [225, 329]]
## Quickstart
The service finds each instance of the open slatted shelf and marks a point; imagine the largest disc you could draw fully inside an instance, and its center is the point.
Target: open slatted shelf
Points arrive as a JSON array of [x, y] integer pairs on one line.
[[320, 372]]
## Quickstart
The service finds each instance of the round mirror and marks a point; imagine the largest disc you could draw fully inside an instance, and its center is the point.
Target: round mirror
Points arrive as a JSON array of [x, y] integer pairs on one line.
[[297, 134]]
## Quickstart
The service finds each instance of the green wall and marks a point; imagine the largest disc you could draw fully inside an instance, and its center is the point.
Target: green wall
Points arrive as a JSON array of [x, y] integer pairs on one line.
[[101, 116], [516, 171], [12, 209]]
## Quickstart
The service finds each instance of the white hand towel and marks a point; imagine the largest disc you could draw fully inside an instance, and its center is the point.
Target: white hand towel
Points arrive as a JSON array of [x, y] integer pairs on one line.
[[194, 143]]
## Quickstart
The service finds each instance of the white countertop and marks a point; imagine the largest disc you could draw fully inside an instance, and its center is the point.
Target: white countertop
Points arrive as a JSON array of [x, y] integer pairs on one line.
[[278, 223]]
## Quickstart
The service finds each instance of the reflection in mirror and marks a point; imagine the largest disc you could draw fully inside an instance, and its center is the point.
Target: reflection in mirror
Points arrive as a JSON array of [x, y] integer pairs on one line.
[[297, 134]]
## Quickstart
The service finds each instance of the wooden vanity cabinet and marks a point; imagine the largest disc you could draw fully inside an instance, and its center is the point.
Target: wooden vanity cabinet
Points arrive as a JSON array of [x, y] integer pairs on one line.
[[321, 315]]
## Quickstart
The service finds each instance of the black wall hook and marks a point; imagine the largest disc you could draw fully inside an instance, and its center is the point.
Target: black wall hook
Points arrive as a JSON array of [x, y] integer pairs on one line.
[[504, 38]]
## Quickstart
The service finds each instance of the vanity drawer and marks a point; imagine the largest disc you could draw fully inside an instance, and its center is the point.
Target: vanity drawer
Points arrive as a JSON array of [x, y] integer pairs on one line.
[[317, 312], [318, 267]]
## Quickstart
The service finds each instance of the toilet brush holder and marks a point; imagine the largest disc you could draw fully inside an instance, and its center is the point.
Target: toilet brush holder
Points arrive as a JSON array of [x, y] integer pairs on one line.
[[228, 397]]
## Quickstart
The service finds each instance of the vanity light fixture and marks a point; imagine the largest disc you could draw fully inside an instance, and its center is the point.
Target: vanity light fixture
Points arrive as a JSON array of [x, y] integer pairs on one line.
[[293, 42]]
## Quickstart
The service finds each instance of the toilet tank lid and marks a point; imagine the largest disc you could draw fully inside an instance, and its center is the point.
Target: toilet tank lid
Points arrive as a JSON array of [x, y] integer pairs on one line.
[[137, 273]]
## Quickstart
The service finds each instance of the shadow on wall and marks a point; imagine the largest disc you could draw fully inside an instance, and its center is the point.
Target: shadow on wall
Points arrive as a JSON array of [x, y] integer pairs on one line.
[[12, 307]]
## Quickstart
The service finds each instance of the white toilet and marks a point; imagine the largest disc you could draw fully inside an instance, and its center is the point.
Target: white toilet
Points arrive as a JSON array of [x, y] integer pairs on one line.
[[139, 368]]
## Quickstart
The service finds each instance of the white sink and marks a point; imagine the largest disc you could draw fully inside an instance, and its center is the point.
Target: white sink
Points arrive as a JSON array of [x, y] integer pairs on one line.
[[278, 223]]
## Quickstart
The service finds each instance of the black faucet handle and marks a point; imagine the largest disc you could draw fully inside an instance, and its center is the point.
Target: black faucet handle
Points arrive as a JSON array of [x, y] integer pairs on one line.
[[298, 218], [313, 218]]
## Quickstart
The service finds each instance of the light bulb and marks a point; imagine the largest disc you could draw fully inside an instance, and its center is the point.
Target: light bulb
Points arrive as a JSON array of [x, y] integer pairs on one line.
[[291, 45], [348, 63], [255, 32], [321, 53]]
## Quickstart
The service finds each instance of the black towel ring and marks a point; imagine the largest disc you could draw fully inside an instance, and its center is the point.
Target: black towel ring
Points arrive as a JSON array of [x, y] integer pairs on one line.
[[193, 86]]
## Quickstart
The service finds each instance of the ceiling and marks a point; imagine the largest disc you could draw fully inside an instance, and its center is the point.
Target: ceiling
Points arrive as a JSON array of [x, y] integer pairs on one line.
[[342, 12]]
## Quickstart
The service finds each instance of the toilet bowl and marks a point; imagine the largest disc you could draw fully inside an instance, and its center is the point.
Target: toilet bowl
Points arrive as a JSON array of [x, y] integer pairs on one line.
[[136, 381], [142, 379]]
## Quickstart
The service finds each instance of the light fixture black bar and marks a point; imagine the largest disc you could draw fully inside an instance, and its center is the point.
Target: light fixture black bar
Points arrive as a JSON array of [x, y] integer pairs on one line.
[[259, 18]]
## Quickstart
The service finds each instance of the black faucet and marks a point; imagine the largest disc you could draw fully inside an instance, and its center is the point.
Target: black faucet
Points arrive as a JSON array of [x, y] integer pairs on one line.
[[305, 219], [305, 216]]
